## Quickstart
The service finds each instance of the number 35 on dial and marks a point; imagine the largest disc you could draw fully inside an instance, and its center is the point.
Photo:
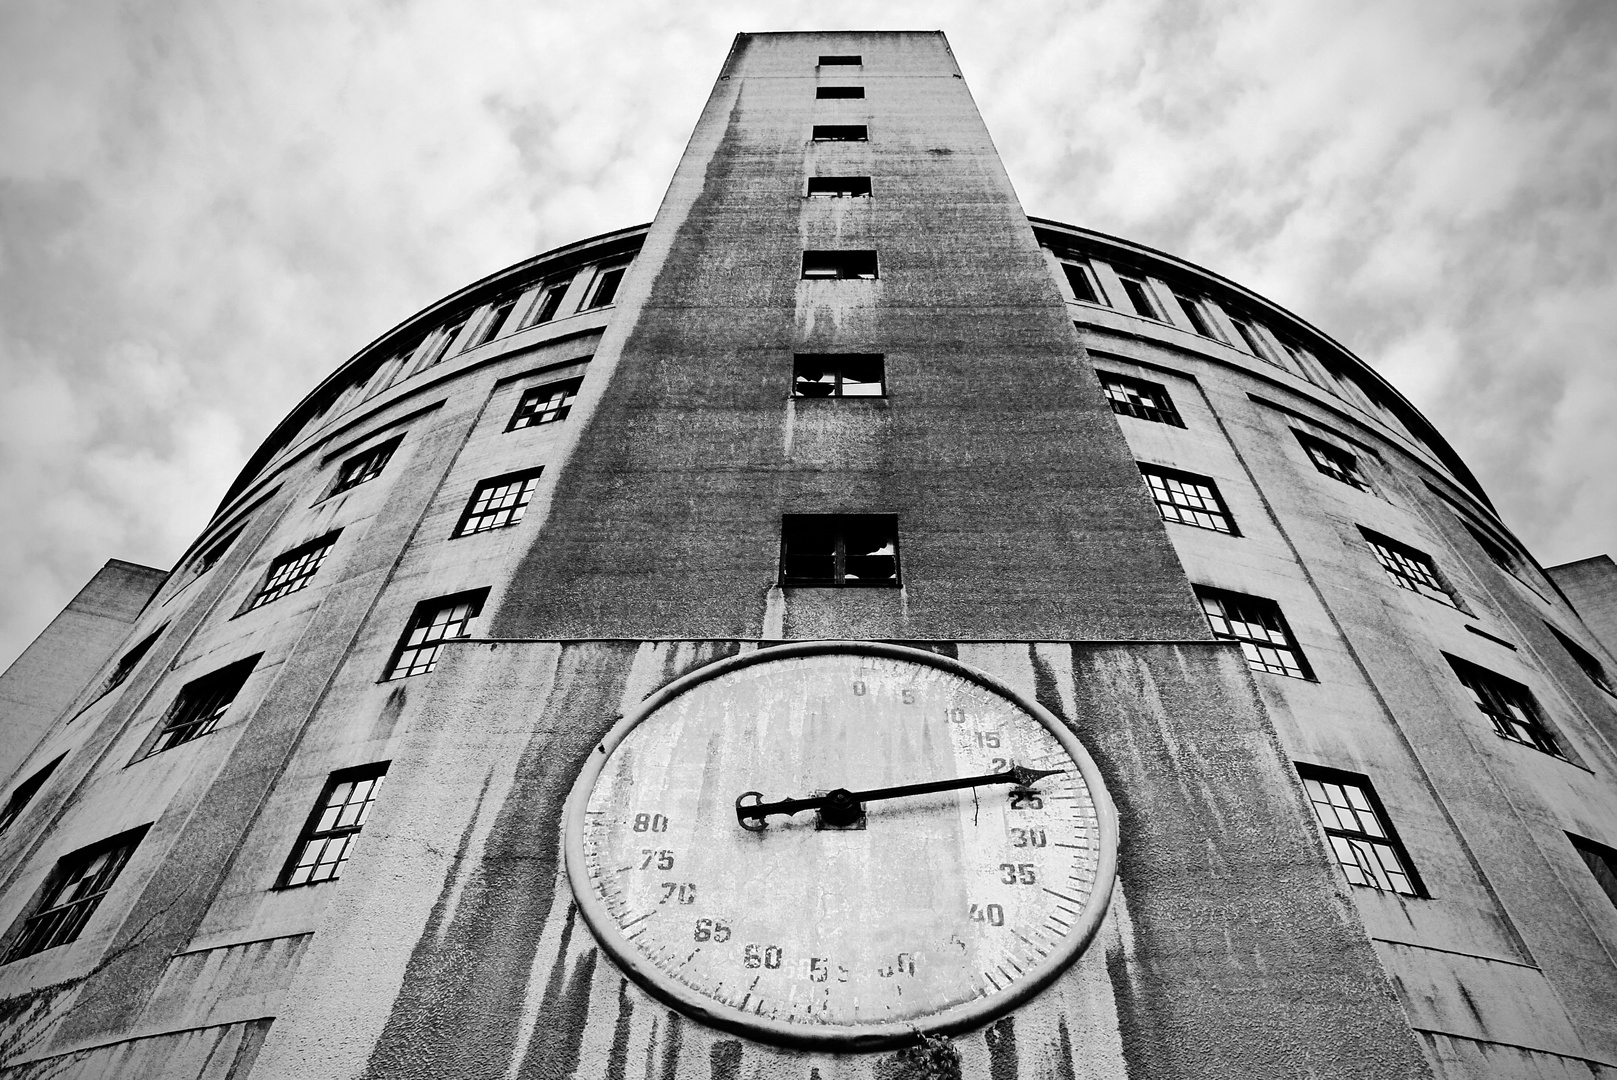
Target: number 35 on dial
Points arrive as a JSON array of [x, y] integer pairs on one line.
[[837, 844]]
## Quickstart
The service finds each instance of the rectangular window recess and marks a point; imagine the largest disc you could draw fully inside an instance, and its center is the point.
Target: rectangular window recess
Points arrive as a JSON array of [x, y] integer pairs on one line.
[[839, 265], [839, 550], [1082, 280], [1601, 861], [200, 705], [547, 404], [444, 618], [292, 571], [1508, 705], [25, 792], [1188, 499], [73, 891], [823, 92], [1198, 317], [1141, 298], [848, 60], [841, 133], [1358, 831], [1585, 660], [1139, 399], [328, 836], [604, 289], [822, 375], [838, 187], [498, 502], [548, 302], [128, 661], [1408, 568], [1256, 623]]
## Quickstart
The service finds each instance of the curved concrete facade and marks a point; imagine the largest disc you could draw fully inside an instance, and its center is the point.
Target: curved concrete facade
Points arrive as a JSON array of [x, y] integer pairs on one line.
[[1248, 574]]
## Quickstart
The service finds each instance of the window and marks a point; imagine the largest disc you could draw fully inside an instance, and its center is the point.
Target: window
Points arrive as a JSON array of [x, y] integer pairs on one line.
[[823, 92], [1188, 499], [1197, 314], [1333, 461], [1585, 659], [838, 375], [604, 289], [328, 837], [440, 346], [840, 61], [1496, 552], [211, 555], [1138, 398], [1408, 568], [838, 187], [545, 404], [839, 549], [839, 265], [200, 704], [292, 572], [1601, 861], [841, 133], [433, 622], [1253, 341], [491, 325], [72, 893], [365, 467], [498, 502], [25, 793], [1082, 280], [548, 302], [1260, 628], [1140, 296], [129, 660], [1508, 704], [1358, 831]]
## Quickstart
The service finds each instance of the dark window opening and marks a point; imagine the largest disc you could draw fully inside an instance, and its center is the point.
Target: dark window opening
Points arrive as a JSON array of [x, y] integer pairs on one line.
[[433, 622], [362, 468], [1188, 499], [74, 890], [1359, 832], [446, 337], [496, 319], [498, 502], [546, 404], [200, 705], [1601, 861], [839, 550], [1140, 296], [293, 571], [129, 660], [823, 92], [841, 133], [838, 187], [1257, 624], [213, 553], [548, 302], [839, 265], [328, 837], [1082, 280], [1198, 317], [838, 375], [1585, 660], [1408, 568], [24, 794], [1508, 705], [850, 60], [1333, 461], [1140, 399], [604, 289]]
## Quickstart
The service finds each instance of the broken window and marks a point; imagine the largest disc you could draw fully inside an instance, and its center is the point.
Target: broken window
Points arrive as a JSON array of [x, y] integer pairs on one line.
[[1408, 568], [841, 133], [839, 265], [293, 571], [433, 622], [838, 375], [838, 187], [362, 468], [200, 705], [498, 502], [839, 549], [1140, 399], [1358, 831], [545, 404], [1333, 461]]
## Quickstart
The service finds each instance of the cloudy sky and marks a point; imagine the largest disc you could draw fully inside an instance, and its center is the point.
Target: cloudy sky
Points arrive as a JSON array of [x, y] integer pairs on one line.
[[205, 207]]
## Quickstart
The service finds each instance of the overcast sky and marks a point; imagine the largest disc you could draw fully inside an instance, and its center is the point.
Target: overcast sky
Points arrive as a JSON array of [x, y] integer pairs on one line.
[[205, 207]]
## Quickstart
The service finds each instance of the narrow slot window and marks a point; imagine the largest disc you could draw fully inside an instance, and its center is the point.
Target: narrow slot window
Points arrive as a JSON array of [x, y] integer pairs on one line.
[[825, 92], [604, 289], [841, 133], [838, 187], [839, 265], [1082, 280], [1140, 297], [548, 301], [24, 794], [491, 325], [839, 550], [819, 375]]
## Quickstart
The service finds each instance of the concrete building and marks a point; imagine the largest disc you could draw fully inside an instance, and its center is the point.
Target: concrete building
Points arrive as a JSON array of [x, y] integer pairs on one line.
[[1349, 748]]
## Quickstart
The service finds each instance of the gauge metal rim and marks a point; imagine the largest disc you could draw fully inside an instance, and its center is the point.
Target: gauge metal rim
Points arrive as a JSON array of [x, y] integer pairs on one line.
[[954, 1019]]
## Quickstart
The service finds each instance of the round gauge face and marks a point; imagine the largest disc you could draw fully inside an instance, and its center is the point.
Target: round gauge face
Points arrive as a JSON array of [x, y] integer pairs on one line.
[[913, 880]]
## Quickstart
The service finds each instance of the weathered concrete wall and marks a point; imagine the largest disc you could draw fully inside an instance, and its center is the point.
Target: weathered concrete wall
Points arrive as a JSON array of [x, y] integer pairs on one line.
[[1591, 585]]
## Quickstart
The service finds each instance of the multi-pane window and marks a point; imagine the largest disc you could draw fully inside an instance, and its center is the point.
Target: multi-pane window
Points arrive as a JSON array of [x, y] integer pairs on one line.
[[492, 324], [1508, 704], [838, 375], [498, 502], [1140, 296], [1082, 280], [446, 337], [74, 890], [838, 187], [1197, 314], [328, 838], [839, 265], [1333, 461], [293, 571], [1601, 861], [1188, 499], [25, 793], [129, 660], [604, 289], [545, 404], [839, 549], [1408, 568], [365, 466], [548, 303], [1359, 832], [1138, 398], [1585, 660], [433, 622], [1257, 624], [199, 705]]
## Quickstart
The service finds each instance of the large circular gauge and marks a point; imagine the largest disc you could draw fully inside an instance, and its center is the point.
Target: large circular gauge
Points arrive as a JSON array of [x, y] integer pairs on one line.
[[841, 844]]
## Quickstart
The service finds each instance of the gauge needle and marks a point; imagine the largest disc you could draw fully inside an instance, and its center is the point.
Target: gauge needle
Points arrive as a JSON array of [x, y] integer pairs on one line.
[[842, 807]]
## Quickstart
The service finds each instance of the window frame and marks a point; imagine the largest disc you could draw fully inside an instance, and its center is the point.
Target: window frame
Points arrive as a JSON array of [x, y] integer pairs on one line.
[[1221, 510], [608, 279], [1167, 412], [567, 388], [23, 794], [1254, 655], [421, 617], [365, 466], [1201, 322], [25, 942], [1387, 840], [1074, 266], [1141, 296], [547, 300], [1397, 558], [447, 333], [375, 772], [525, 496], [841, 60], [185, 715], [1494, 694], [839, 93], [840, 133], [838, 525], [830, 362], [1601, 861], [1354, 476], [838, 187], [499, 314], [1591, 666], [305, 560]]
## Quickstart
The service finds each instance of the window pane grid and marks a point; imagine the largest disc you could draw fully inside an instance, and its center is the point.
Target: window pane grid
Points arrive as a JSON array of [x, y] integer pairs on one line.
[[428, 630], [363, 467], [1337, 464], [1411, 570], [1361, 842], [325, 847], [1145, 401], [1257, 625], [498, 503], [1511, 710], [1184, 500], [545, 404], [293, 571], [71, 901], [199, 706]]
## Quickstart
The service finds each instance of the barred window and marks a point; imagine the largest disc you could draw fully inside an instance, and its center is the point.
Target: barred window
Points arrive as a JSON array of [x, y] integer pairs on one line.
[[1140, 399], [200, 704], [1508, 705], [844, 550], [433, 622], [545, 404], [1358, 831], [1408, 568], [838, 375], [1260, 628], [1333, 461], [1188, 499], [292, 572], [1082, 279], [548, 302], [25, 792], [131, 659], [328, 837], [1601, 861], [1585, 660], [498, 502], [74, 890], [365, 466]]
